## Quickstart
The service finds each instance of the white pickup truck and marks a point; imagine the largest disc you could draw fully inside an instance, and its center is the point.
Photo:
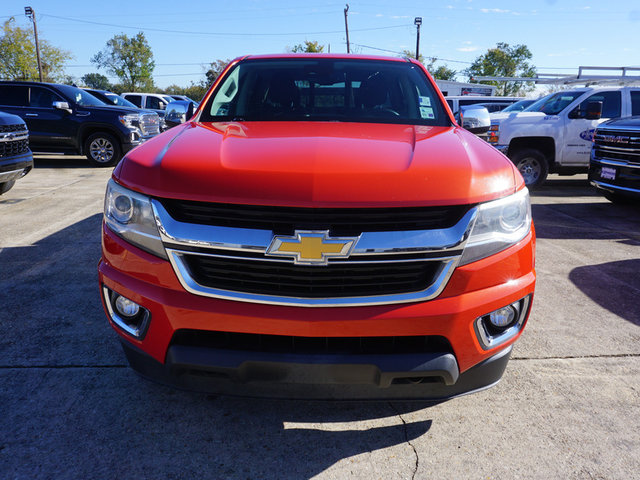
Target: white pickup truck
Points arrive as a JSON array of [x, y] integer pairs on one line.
[[554, 134]]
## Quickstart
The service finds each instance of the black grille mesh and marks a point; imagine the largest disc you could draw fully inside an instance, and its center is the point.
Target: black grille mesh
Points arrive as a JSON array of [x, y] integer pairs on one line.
[[331, 281], [15, 147], [310, 345], [19, 127], [339, 221]]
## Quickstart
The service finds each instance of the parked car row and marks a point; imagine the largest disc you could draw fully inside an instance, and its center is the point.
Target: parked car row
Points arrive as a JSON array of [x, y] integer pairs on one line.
[[554, 134], [67, 119]]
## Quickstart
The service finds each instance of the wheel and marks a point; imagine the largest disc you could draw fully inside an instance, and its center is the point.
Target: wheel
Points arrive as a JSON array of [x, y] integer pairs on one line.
[[6, 186], [617, 198], [532, 165], [102, 150]]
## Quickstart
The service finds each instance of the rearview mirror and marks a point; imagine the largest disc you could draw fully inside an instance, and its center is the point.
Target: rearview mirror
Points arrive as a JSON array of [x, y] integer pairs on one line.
[[474, 118], [594, 111], [178, 112], [62, 106]]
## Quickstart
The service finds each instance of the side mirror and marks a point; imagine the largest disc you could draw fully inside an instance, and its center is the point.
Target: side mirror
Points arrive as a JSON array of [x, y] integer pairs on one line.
[[475, 119], [178, 112], [594, 111], [62, 106]]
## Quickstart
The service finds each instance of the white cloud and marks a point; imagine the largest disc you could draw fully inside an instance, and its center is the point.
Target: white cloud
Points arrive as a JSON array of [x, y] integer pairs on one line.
[[400, 16], [494, 10], [467, 49]]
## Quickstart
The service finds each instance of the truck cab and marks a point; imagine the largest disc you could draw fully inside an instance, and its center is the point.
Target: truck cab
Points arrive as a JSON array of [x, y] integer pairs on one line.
[[554, 134]]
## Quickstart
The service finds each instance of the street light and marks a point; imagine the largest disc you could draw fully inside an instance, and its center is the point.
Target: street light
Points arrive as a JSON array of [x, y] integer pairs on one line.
[[418, 22], [31, 14]]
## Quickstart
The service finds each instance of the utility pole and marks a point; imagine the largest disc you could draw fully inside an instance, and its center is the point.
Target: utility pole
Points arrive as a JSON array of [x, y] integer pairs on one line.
[[346, 27], [418, 22], [30, 13]]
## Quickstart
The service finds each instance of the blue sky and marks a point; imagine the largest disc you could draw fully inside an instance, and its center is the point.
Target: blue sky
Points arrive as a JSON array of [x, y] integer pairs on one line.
[[186, 36]]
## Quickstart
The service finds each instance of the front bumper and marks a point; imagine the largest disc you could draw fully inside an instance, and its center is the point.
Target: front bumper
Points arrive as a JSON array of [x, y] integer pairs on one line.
[[12, 168], [502, 148], [473, 291], [435, 377], [623, 179]]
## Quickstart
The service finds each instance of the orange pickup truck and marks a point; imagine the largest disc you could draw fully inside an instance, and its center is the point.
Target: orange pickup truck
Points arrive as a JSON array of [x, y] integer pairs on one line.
[[320, 228]]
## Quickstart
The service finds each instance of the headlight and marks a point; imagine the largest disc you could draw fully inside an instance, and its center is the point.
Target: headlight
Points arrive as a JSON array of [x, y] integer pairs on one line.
[[498, 225], [130, 215], [131, 120]]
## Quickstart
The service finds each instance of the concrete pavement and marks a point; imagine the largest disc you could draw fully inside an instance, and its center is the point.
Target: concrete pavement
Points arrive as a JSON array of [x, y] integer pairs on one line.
[[568, 406]]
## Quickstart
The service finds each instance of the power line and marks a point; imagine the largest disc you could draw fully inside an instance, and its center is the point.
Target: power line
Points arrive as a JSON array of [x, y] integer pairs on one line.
[[226, 34]]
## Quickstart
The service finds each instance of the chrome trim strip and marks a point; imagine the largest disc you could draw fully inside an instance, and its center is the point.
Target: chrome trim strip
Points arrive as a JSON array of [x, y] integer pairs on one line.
[[446, 270], [616, 163], [7, 176], [630, 151], [608, 186], [254, 240], [14, 136]]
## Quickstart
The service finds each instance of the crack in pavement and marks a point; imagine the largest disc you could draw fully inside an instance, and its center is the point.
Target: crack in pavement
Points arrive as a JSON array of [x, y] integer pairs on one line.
[[406, 439], [574, 357]]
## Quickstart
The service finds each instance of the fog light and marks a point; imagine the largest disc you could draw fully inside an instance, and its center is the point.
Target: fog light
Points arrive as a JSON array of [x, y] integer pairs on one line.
[[502, 317], [126, 314], [126, 307], [503, 324]]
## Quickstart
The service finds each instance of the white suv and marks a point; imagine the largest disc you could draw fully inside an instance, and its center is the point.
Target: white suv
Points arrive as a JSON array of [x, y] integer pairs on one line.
[[149, 101]]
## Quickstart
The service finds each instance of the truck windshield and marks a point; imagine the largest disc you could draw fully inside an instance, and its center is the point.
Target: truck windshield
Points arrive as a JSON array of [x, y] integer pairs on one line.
[[326, 89], [553, 104]]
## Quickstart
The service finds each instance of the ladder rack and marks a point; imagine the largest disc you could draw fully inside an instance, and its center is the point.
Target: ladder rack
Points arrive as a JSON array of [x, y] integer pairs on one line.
[[584, 77]]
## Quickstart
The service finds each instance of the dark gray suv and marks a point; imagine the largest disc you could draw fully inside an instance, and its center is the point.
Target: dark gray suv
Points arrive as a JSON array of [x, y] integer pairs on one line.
[[15, 157]]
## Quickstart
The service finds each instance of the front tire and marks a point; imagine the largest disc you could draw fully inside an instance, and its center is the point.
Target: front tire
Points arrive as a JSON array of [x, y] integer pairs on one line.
[[6, 186], [102, 150], [532, 165]]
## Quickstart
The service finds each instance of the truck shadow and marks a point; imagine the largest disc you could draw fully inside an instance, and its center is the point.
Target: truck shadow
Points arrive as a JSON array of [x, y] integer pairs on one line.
[[612, 285], [65, 387], [597, 220]]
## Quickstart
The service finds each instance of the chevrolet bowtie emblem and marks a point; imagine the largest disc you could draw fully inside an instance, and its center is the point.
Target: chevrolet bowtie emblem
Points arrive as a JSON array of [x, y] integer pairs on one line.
[[311, 247]]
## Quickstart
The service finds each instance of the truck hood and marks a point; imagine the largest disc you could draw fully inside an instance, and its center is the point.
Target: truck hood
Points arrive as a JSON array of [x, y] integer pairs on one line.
[[320, 164], [517, 117]]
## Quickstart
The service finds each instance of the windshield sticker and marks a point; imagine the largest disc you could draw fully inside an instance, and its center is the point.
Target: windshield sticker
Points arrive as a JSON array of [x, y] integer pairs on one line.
[[425, 101], [426, 112], [587, 134]]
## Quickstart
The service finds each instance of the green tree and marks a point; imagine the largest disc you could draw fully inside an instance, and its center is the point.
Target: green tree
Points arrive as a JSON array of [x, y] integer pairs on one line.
[[444, 73], [308, 47], [130, 59], [215, 70], [505, 61], [97, 81], [195, 91], [412, 54], [18, 60]]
